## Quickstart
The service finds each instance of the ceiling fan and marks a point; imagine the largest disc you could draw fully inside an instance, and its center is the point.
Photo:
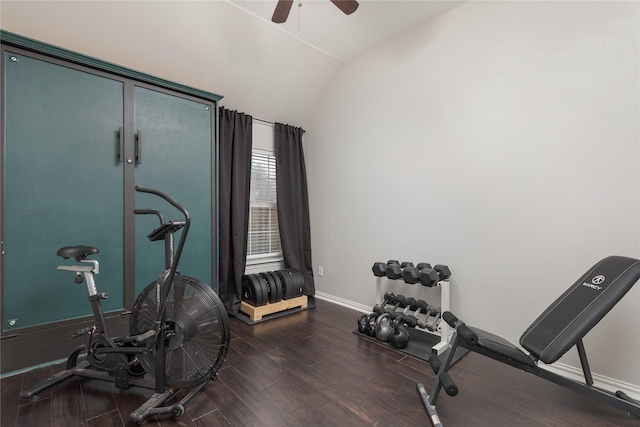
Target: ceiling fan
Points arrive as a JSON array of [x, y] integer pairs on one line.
[[283, 7]]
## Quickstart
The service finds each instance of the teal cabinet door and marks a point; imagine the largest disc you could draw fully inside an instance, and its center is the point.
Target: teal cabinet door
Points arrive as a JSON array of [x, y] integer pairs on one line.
[[174, 154], [63, 185]]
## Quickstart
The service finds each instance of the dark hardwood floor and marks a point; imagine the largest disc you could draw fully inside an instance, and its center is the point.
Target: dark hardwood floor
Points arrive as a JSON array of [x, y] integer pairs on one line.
[[309, 369]]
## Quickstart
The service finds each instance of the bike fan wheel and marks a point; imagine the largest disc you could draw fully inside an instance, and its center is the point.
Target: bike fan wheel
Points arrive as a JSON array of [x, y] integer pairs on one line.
[[197, 326]]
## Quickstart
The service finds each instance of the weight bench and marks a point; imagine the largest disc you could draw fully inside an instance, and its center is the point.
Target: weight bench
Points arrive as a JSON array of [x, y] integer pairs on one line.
[[559, 327]]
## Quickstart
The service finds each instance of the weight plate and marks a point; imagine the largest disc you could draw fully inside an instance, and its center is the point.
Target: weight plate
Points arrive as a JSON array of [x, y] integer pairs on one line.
[[261, 286], [257, 290], [271, 287], [248, 291], [285, 279], [277, 285], [287, 285], [300, 284], [297, 282]]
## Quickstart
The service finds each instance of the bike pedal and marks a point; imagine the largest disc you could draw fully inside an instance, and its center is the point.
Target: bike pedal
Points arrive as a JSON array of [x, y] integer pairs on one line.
[[80, 332], [122, 378]]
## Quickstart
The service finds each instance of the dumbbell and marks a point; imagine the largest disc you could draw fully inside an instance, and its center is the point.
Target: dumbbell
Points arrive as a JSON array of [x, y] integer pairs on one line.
[[389, 298], [379, 268], [431, 276], [427, 316], [411, 275], [405, 319], [399, 301], [434, 321], [412, 305], [394, 271], [419, 307]]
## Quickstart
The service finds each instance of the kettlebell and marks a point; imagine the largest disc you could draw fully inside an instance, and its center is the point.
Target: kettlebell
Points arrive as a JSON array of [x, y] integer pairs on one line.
[[362, 324], [399, 336], [383, 328], [371, 324]]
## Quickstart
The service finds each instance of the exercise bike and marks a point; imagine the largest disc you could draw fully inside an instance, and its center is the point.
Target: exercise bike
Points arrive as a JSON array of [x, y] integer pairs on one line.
[[179, 329]]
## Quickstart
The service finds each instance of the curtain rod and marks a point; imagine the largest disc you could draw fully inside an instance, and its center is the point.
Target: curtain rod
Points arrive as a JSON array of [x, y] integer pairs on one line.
[[263, 121], [271, 123], [267, 121]]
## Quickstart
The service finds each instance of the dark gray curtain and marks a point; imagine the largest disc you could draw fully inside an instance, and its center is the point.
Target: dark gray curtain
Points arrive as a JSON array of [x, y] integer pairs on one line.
[[233, 204], [293, 202]]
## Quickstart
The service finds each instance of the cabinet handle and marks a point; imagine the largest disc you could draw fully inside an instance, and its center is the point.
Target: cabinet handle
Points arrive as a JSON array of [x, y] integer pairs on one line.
[[120, 146], [139, 147]]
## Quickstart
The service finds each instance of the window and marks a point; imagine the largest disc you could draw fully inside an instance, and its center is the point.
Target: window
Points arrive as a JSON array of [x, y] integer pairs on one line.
[[264, 237]]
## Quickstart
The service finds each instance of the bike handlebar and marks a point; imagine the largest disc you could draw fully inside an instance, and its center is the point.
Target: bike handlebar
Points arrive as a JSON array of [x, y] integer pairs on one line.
[[167, 197], [150, 212]]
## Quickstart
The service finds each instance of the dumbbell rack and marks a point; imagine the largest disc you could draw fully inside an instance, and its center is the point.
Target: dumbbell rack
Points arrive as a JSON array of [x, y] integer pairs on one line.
[[445, 304]]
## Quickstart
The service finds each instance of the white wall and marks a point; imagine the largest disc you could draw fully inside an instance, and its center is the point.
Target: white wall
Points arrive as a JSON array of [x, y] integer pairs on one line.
[[210, 45], [501, 139]]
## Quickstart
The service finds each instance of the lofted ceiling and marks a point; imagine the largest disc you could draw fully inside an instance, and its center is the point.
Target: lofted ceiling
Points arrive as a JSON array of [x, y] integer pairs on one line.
[[321, 24], [277, 72]]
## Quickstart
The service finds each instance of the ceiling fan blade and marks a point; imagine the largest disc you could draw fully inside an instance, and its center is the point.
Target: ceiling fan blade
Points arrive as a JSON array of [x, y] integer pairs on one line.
[[282, 11], [347, 6]]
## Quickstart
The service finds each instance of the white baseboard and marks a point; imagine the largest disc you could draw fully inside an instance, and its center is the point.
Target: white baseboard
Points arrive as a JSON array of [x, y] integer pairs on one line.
[[343, 302], [602, 382]]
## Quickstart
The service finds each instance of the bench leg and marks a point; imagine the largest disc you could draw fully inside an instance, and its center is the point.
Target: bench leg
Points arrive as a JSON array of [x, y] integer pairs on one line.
[[431, 409], [443, 380]]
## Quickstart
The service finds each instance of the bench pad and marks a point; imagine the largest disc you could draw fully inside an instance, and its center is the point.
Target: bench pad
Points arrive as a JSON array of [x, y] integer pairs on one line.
[[580, 308], [499, 345]]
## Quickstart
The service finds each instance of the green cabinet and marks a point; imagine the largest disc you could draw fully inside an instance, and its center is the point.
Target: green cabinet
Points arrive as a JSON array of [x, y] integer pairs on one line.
[[77, 136], [173, 137], [62, 186]]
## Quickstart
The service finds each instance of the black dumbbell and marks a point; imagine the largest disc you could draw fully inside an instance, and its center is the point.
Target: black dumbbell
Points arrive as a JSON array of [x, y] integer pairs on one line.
[[413, 308], [399, 301], [419, 308], [389, 298], [410, 304], [380, 267], [394, 271], [431, 276], [411, 275], [405, 319]]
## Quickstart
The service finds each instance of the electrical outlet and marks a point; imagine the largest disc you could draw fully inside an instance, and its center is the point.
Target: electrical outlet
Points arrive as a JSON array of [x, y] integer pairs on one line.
[[320, 271]]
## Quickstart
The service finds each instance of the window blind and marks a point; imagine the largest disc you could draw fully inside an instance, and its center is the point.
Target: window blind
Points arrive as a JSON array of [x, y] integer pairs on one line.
[[264, 237]]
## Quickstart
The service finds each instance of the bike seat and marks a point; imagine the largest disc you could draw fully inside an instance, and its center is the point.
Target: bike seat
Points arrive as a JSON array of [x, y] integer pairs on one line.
[[78, 252]]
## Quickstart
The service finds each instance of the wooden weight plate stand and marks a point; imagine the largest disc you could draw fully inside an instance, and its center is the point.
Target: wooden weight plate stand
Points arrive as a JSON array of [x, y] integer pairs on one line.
[[256, 313], [445, 304]]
